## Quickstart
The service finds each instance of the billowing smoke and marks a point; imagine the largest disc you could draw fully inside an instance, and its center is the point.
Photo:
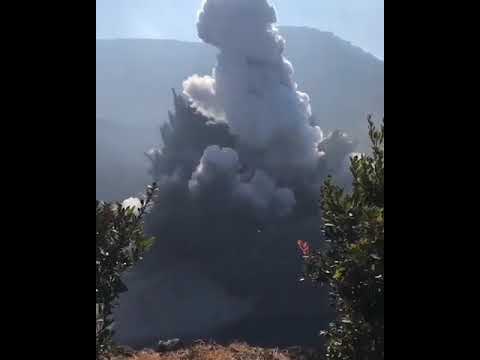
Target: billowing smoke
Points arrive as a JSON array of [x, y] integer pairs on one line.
[[219, 170], [240, 173], [253, 86]]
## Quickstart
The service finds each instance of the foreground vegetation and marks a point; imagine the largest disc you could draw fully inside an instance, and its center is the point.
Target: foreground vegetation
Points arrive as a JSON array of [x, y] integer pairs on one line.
[[353, 263], [120, 243]]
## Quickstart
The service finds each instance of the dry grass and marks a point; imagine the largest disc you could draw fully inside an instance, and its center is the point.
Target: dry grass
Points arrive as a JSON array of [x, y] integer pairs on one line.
[[234, 351]]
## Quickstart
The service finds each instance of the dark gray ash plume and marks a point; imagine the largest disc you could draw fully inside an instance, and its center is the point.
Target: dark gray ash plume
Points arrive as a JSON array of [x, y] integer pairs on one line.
[[240, 172]]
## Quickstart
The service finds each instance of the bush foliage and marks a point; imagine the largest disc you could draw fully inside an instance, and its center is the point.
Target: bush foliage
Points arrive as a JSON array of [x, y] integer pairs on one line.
[[120, 243], [353, 262]]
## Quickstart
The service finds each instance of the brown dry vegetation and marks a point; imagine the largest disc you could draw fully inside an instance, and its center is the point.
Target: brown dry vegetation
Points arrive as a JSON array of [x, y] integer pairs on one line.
[[234, 351]]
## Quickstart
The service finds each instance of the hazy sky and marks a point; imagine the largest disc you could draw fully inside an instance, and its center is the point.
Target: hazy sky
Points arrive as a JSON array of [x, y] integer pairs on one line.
[[358, 21]]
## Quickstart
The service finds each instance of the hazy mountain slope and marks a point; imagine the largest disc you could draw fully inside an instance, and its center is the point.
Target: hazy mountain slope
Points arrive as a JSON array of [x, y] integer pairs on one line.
[[134, 78], [344, 82], [120, 160]]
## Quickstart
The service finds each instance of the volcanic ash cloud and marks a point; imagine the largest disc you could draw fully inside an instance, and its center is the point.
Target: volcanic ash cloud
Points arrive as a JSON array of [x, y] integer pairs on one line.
[[240, 171], [252, 87]]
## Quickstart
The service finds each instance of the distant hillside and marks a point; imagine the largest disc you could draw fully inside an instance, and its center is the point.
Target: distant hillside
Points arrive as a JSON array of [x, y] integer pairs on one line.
[[344, 82], [121, 166], [134, 78]]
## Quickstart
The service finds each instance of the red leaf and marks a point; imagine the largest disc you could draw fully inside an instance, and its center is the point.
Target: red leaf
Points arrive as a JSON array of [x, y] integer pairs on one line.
[[304, 247]]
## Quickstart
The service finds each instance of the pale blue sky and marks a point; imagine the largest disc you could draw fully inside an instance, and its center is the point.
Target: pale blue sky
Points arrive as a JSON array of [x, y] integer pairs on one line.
[[359, 21]]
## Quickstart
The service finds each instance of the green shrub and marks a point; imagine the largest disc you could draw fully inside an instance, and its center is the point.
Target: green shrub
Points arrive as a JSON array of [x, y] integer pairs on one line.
[[352, 263], [120, 243]]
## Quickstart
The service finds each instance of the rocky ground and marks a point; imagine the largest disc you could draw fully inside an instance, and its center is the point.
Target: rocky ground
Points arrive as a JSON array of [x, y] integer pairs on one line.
[[211, 351]]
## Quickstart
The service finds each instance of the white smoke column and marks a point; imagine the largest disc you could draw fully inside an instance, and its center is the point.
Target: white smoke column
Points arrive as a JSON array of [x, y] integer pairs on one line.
[[253, 85]]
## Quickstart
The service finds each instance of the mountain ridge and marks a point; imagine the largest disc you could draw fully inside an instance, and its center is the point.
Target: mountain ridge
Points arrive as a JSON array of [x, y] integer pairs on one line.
[[134, 78], [282, 27]]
